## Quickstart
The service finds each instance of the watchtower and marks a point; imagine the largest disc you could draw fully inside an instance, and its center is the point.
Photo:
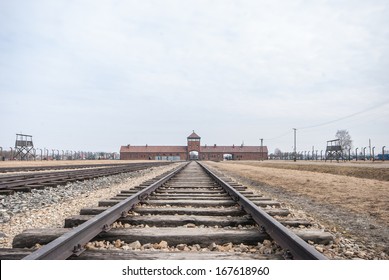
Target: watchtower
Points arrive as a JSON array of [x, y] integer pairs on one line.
[[194, 146], [23, 146], [334, 150]]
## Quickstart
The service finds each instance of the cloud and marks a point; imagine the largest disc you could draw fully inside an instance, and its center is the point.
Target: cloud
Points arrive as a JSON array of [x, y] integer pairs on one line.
[[146, 64]]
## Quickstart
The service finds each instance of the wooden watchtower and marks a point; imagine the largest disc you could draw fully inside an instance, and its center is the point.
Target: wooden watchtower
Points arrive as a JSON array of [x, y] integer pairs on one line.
[[23, 146], [334, 150]]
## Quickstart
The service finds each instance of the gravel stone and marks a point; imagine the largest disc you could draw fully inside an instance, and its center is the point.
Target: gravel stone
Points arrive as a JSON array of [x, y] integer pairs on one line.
[[212, 246], [118, 243], [190, 225], [161, 245], [181, 247], [147, 246], [135, 245]]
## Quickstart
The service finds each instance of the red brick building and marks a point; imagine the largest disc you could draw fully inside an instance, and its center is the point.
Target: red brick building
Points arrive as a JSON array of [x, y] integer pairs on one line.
[[193, 150]]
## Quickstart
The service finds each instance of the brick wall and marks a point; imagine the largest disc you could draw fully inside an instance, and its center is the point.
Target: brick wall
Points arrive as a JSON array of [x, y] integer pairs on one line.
[[149, 156]]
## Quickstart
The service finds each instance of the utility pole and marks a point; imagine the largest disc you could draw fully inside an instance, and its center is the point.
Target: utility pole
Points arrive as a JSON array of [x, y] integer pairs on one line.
[[294, 157], [261, 148]]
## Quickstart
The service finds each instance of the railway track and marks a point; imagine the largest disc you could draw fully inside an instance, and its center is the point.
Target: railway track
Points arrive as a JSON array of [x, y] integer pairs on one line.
[[190, 213], [26, 182], [54, 167]]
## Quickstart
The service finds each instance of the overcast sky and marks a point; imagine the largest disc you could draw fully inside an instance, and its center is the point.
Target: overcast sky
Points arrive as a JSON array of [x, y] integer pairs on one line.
[[95, 75]]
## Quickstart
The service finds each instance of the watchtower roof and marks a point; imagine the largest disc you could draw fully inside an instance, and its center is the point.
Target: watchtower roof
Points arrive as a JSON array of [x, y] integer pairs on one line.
[[194, 136]]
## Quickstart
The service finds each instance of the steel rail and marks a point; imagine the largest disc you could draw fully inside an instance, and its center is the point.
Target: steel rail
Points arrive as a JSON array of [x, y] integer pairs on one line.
[[285, 238], [72, 242]]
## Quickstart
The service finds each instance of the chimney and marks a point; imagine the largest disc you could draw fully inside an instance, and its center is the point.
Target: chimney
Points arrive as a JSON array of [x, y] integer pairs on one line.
[[233, 145], [214, 145], [146, 145], [128, 145]]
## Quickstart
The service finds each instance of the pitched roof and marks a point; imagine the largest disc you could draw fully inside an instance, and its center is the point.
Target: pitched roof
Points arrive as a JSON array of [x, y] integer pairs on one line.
[[193, 135], [153, 149], [183, 149], [233, 149]]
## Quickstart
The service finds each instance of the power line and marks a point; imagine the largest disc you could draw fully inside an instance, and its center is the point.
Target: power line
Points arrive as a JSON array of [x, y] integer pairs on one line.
[[348, 116], [280, 136], [332, 121]]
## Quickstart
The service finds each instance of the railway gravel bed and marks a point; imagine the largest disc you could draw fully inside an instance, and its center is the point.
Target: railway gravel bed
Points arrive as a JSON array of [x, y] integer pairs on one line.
[[50, 206], [189, 217]]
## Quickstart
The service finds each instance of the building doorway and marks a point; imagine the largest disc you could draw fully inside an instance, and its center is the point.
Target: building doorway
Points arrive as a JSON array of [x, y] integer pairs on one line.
[[193, 155], [228, 157]]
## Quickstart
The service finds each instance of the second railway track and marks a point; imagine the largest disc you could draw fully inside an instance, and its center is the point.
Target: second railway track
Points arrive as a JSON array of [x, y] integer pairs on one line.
[[191, 213], [25, 182]]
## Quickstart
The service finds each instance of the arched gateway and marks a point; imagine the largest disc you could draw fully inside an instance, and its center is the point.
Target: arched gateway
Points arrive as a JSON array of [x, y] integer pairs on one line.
[[193, 151], [193, 146]]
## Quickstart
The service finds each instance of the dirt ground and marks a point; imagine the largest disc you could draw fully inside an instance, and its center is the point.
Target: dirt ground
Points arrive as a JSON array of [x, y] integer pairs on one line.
[[377, 170], [352, 198]]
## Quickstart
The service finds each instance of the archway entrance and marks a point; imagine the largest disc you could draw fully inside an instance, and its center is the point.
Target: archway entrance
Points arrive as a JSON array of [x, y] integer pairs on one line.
[[193, 155], [228, 157]]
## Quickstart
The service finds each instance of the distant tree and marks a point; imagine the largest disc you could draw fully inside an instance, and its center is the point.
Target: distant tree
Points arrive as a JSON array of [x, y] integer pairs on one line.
[[277, 153], [345, 139]]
